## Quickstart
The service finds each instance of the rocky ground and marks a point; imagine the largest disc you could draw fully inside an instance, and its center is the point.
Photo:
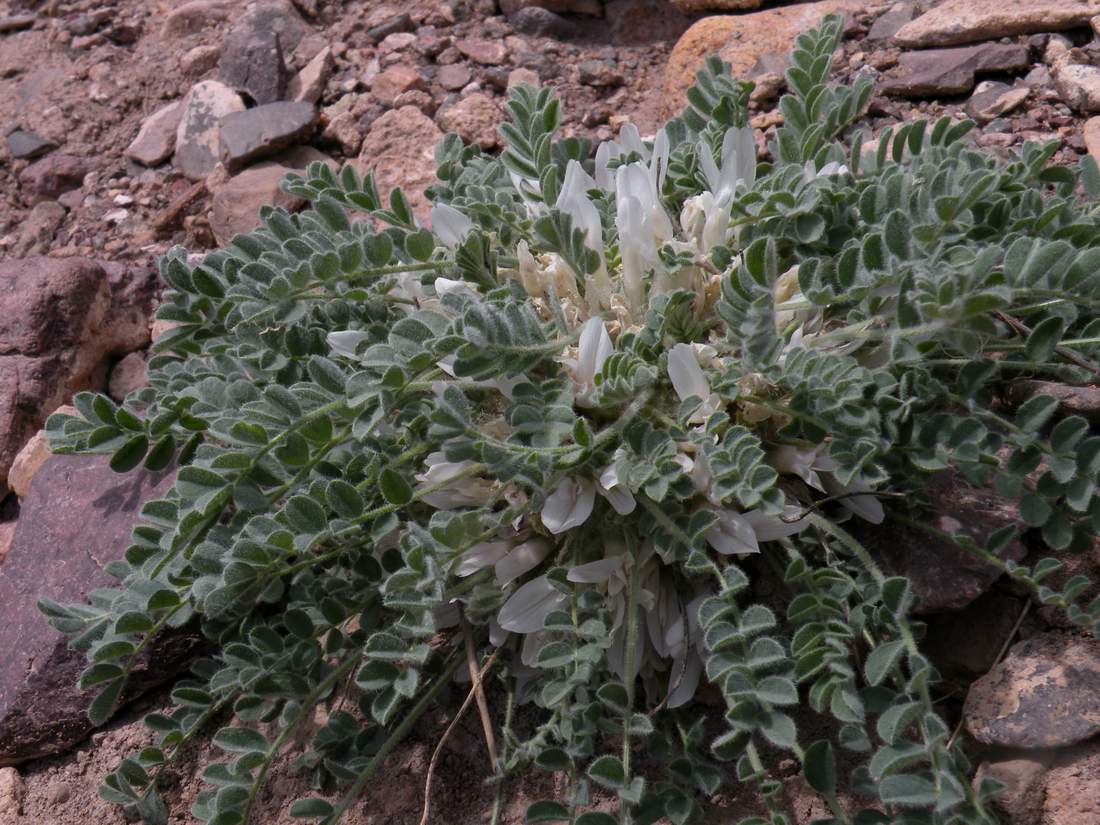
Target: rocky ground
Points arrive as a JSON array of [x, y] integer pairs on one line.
[[130, 126]]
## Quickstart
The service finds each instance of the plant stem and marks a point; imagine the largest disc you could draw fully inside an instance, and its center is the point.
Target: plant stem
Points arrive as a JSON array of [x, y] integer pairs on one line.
[[628, 677]]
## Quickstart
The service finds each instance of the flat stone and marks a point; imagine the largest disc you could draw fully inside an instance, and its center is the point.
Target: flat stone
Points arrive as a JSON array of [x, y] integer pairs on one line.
[[52, 176], [991, 100], [76, 517], [27, 145], [156, 140], [264, 130], [1083, 401], [309, 84], [454, 77], [252, 64], [387, 86], [951, 71], [967, 21], [1044, 694], [483, 51], [1072, 787], [235, 207], [400, 150], [1078, 84], [198, 143], [536, 21], [740, 40], [193, 17], [943, 576], [886, 25], [16, 22]]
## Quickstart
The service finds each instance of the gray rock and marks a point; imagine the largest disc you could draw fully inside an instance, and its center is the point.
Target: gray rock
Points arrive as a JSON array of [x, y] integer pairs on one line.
[[156, 140], [277, 17], [252, 63], [968, 21], [1045, 694], [1083, 401], [599, 73], [536, 21], [76, 517], [397, 23], [197, 137], [951, 71], [887, 25], [192, 17], [1078, 84], [27, 145], [943, 576], [264, 130], [991, 100], [127, 375], [39, 228], [1022, 774], [309, 84]]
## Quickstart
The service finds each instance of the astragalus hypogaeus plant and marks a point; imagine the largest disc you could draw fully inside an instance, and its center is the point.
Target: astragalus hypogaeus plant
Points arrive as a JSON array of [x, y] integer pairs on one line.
[[569, 425]]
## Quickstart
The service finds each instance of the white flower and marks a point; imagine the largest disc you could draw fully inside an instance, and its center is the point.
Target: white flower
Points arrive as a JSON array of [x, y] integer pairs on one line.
[[689, 381], [618, 495], [573, 200], [569, 505], [738, 163], [706, 220], [643, 227], [447, 286], [868, 508], [526, 609], [738, 534], [481, 556], [809, 171], [773, 528], [593, 350], [805, 463], [465, 492], [346, 342], [450, 225], [521, 559]]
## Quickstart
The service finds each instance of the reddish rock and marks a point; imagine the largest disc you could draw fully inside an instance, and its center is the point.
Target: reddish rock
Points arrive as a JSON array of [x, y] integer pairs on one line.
[[1072, 787], [485, 52], [475, 118], [51, 177], [387, 86], [400, 150], [195, 16], [127, 375], [951, 71], [454, 77], [968, 21], [156, 140], [76, 517], [309, 84]]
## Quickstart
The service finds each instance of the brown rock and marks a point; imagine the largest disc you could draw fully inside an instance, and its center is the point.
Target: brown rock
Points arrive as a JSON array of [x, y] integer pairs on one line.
[[475, 118], [951, 71], [198, 135], [79, 515], [156, 140], [387, 86], [309, 84], [1083, 401], [39, 228], [942, 575], [1072, 790], [1045, 694], [740, 40], [263, 131], [692, 6], [485, 52], [31, 457], [400, 150], [454, 77], [195, 16], [1091, 133], [589, 7], [1078, 84], [968, 21], [127, 375], [7, 532], [991, 100], [199, 60], [887, 24], [1022, 774], [277, 17], [52, 176], [12, 791]]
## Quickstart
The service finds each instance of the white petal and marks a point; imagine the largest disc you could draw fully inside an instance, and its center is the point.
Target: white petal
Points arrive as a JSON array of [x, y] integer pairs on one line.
[[596, 571], [620, 498], [449, 224], [345, 342], [569, 505], [868, 508], [594, 348], [481, 556], [685, 373], [445, 286], [527, 608], [733, 535], [773, 528], [687, 674], [659, 161], [520, 560], [709, 167]]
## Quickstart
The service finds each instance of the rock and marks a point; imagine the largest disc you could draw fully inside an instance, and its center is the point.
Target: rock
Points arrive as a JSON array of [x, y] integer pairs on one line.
[[156, 140], [52, 176], [309, 84], [938, 72], [960, 654], [968, 21], [887, 25], [1045, 694], [599, 73], [235, 208], [396, 42], [16, 22], [536, 21], [418, 98], [263, 131], [78, 516], [692, 6], [39, 228], [1078, 85], [517, 77], [126, 376], [28, 145], [1083, 401], [387, 86], [453, 77], [740, 40], [31, 458], [991, 100], [61, 320], [1072, 788], [195, 16], [378, 32], [7, 532], [485, 52], [252, 64], [943, 576], [1091, 133], [11, 795], [400, 150], [1023, 776], [198, 137], [277, 17], [590, 7], [475, 118], [767, 88], [199, 60]]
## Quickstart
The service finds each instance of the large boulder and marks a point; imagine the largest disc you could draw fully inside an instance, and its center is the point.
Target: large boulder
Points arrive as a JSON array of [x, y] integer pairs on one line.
[[61, 321], [77, 516], [400, 150], [968, 21], [740, 40]]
